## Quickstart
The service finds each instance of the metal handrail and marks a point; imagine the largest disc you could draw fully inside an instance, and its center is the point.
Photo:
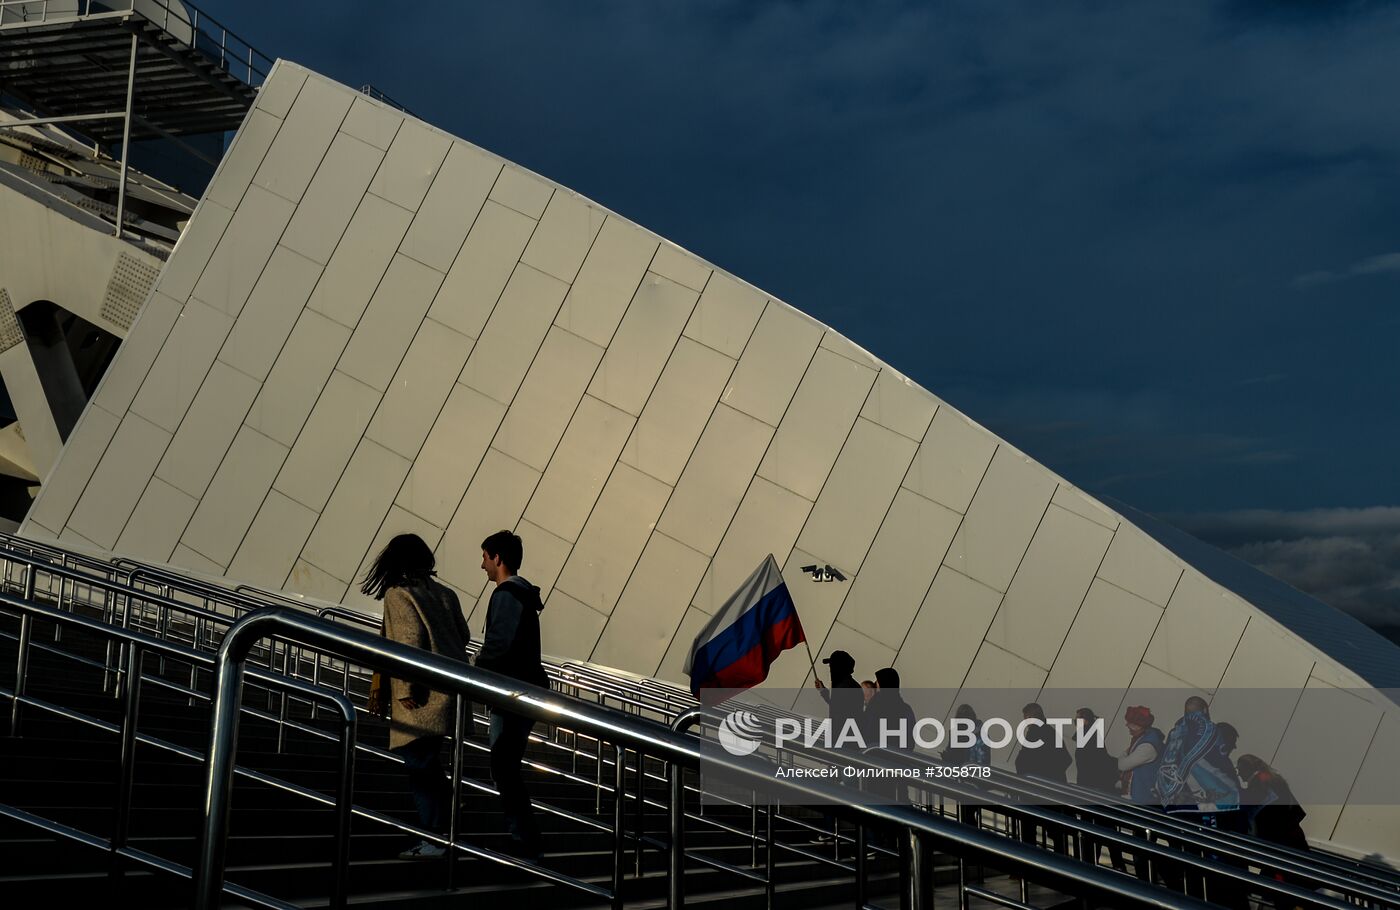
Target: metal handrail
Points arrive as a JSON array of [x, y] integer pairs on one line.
[[136, 645], [1244, 849], [235, 55], [922, 832]]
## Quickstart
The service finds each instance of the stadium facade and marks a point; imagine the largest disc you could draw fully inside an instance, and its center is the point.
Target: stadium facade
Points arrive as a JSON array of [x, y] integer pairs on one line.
[[370, 327]]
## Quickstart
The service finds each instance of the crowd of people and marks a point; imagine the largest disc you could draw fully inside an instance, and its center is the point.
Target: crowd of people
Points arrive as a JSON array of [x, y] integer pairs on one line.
[[1189, 771]]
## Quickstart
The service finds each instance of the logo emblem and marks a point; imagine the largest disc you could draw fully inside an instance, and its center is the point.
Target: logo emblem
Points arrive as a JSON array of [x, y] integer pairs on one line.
[[740, 733]]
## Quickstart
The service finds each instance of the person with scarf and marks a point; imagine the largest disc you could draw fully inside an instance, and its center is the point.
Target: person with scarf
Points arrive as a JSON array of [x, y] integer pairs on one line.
[[1138, 766], [1195, 777]]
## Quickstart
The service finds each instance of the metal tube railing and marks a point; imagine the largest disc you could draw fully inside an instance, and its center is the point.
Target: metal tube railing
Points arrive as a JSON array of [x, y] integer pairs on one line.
[[1238, 848], [445, 674]]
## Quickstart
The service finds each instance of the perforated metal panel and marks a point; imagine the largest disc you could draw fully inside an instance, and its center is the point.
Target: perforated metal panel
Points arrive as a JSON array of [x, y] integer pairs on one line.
[[127, 289], [10, 334]]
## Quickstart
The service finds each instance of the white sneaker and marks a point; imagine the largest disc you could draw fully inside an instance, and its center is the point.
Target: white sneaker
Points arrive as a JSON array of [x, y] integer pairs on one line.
[[424, 850]]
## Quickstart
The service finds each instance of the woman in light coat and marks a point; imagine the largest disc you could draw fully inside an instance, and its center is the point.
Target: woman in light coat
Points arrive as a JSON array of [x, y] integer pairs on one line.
[[421, 612]]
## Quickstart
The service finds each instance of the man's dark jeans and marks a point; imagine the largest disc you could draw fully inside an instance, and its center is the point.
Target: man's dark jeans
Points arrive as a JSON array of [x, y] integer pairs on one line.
[[510, 733]]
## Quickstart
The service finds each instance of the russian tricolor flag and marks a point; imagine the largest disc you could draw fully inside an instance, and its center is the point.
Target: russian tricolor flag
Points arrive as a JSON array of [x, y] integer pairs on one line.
[[738, 645]]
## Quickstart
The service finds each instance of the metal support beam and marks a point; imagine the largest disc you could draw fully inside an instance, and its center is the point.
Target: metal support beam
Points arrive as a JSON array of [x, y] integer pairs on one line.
[[126, 135], [71, 118]]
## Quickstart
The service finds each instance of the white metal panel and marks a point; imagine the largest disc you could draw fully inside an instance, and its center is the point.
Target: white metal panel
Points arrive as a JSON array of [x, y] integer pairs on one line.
[[188, 559], [568, 628], [181, 366], [1371, 821], [276, 95], [360, 260], [1267, 658], [566, 231], [522, 191], [450, 456], [677, 410], [312, 582], [837, 343], [229, 506], [243, 250], [1002, 519], [1137, 563], [273, 542], [391, 320], [725, 317], [302, 369], [207, 431], [451, 206], [607, 281], [157, 522], [1083, 505], [897, 573], [330, 201], [545, 555], [614, 537], [773, 363], [1322, 752], [494, 501], [372, 122], [714, 480], [1106, 642], [1179, 644], [947, 632], [548, 397], [768, 521], [643, 343], [482, 268], [817, 424], [326, 443], [1049, 586], [680, 266], [580, 467], [998, 685], [951, 461], [673, 664], [897, 403], [69, 478], [138, 352], [857, 495], [305, 136], [36, 436], [197, 244], [514, 333], [355, 510], [419, 389], [277, 300], [116, 485], [644, 621], [410, 165], [243, 158]]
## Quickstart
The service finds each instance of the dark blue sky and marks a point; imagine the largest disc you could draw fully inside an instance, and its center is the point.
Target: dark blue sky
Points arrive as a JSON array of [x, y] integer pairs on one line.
[[1156, 246]]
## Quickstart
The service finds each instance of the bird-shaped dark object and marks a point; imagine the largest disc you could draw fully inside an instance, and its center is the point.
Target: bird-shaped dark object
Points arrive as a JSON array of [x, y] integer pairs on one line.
[[824, 573]]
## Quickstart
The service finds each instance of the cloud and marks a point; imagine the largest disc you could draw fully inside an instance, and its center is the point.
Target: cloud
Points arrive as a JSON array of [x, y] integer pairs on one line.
[[1349, 558], [1386, 263]]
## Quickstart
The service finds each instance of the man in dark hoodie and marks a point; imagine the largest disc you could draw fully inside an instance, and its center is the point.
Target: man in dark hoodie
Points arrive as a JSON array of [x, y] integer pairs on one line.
[[512, 648], [845, 700]]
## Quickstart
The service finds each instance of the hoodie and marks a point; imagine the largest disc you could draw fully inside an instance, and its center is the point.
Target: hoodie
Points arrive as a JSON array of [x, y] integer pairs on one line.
[[512, 644]]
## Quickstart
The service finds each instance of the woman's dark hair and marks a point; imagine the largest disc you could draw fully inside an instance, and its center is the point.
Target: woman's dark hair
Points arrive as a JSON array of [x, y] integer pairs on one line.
[[1034, 710], [965, 712], [404, 560]]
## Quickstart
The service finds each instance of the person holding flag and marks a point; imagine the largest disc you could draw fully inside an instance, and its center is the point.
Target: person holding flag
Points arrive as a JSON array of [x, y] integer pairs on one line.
[[741, 641]]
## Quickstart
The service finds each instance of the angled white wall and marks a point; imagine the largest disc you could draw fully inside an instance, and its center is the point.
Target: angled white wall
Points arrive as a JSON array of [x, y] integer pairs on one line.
[[371, 327]]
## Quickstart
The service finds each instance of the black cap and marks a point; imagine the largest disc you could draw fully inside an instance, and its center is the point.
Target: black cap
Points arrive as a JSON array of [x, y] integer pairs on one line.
[[839, 659]]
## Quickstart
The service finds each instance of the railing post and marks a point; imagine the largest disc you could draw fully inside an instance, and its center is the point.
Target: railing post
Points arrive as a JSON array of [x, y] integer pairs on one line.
[[26, 631], [126, 135], [454, 802], [641, 807], [860, 864], [619, 809], [919, 871], [676, 779], [770, 883], [223, 746], [344, 807], [126, 768]]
